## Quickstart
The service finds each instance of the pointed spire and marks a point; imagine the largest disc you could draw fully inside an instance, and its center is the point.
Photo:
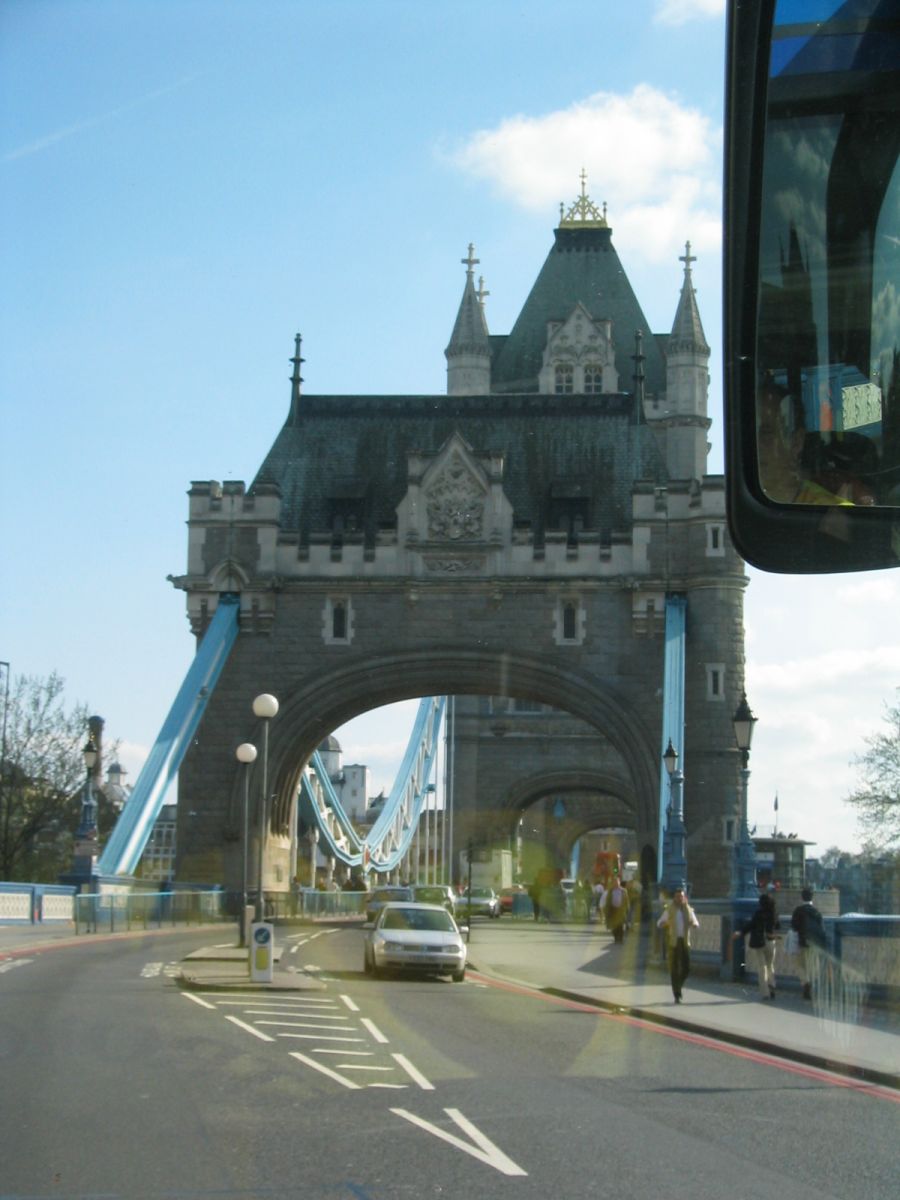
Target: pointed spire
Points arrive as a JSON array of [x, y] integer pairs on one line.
[[469, 351], [296, 377], [687, 328]]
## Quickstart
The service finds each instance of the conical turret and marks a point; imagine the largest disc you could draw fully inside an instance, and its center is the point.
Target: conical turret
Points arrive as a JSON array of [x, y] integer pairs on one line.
[[687, 385], [469, 352]]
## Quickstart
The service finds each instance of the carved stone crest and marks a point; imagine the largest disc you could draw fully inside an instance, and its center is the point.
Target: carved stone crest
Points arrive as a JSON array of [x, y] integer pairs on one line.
[[455, 503]]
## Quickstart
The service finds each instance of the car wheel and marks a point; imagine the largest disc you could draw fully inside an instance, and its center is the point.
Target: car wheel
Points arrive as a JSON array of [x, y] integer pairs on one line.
[[459, 976]]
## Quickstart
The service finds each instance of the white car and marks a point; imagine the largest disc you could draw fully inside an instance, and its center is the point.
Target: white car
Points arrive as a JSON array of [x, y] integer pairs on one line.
[[422, 938]]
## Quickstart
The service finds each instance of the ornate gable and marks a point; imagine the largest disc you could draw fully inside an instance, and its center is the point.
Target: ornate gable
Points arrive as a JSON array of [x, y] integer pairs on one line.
[[579, 356], [454, 510]]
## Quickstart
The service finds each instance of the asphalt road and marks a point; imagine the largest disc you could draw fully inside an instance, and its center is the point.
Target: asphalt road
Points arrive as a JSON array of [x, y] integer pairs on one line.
[[117, 1083]]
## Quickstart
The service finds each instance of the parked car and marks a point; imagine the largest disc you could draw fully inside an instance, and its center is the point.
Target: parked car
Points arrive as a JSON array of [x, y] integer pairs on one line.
[[382, 896], [421, 938], [435, 893], [484, 902]]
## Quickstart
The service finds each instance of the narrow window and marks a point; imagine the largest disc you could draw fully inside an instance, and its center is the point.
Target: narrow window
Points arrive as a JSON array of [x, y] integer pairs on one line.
[[593, 379], [715, 540], [564, 379], [715, 681], [570, 622], [339, 622]]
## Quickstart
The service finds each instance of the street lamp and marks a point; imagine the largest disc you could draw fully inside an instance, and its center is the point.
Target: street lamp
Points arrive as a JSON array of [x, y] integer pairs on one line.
[[246, 754], [744, 875], [675, 860], [88, 826], [265, 707]]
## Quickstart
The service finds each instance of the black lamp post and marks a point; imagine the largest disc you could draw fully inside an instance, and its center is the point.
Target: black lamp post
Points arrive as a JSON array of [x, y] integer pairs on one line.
[[743, 886], [88, 826], [675, 860]]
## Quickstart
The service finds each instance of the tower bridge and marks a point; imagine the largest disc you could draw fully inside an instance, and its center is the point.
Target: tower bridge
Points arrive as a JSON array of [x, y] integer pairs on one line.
[[543, 543]]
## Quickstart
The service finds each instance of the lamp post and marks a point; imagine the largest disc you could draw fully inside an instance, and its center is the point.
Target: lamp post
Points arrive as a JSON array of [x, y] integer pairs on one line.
[[743, 885], [313, 836], [265, 707], [88, 825], [246, 754], [675, 864]]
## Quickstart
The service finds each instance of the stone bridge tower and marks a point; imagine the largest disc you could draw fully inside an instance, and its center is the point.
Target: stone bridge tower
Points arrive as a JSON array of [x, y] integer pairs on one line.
[[516, 544]]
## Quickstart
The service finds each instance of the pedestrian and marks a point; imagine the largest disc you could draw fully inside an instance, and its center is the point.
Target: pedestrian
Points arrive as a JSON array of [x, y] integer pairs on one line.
[[806, 921], [616, 909], [634, 889], [599, 900], [678, 919], [762, 926]]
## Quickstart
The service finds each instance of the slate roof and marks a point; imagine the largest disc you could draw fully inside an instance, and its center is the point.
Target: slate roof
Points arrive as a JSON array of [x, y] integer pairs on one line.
[[582, 266], [334, 447]]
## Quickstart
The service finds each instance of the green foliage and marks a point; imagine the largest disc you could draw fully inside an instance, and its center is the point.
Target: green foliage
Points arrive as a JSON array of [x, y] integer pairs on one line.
[[877, 799], [41, 780]]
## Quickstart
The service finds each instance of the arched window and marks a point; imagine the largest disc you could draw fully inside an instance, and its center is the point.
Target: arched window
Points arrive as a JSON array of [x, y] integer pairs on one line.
[[593, 378], [564, 379]]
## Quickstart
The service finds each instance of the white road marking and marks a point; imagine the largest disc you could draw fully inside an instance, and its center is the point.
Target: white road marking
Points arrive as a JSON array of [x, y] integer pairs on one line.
[[479, 1147], [363, 1067], [374, 1030], [315, 1037], [315, 1014], [311, 1062], [263, 1037], [413, 1072], [149, 970], [308, 1025], [358, 1053], [294, 949], [12, 963], [287, 1002], [350, 1004], [399, 1087], [197, 1000]]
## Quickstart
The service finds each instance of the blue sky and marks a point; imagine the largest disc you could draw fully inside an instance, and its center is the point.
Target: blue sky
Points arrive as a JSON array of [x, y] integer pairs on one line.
[[183, 186]]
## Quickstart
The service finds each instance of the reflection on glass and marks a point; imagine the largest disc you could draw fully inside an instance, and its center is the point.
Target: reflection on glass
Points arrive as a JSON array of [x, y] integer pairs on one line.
[[828, 399]]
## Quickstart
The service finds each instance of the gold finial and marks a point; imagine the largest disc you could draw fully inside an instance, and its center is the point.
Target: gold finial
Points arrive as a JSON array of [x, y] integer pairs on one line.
[[470, 261], [583, 213]]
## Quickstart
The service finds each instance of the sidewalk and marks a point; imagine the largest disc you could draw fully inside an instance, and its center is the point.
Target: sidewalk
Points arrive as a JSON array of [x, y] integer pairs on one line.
[[584, 964], [580, 963]]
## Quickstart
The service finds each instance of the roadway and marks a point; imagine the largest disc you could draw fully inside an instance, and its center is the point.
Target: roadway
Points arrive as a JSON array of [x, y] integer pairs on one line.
[[119, 1082]]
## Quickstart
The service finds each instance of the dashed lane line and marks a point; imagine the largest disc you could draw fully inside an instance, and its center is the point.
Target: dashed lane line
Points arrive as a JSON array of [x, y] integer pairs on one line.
[[198, 1000]]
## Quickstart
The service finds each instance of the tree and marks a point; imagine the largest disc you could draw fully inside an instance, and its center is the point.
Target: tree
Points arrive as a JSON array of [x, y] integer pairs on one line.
[[877, 800], [41, 779]]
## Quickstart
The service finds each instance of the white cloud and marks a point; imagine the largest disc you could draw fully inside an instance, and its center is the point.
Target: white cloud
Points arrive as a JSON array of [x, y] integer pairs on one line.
[[666, 178], [679, 12]]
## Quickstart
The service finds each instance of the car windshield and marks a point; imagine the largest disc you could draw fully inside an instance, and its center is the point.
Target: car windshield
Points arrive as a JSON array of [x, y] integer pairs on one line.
[[386, 895], [430, 895], [418, 918], [482, 893]]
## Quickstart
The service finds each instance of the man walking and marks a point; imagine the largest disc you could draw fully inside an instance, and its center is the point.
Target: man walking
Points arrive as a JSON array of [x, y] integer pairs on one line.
[[807, 921], [678, 919]]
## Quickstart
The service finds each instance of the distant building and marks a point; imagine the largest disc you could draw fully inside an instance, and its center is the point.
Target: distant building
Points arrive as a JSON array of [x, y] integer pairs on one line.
[[781, 859]]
